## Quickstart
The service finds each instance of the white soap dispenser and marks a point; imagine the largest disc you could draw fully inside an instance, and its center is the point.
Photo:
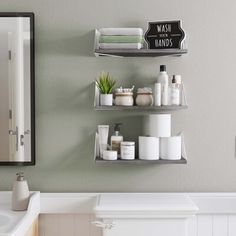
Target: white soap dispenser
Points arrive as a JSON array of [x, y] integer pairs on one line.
[[176, 90], [116, 138], [20, 193]]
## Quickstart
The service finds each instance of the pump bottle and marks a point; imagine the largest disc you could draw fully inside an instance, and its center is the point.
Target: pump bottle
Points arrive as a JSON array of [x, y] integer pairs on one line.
[[116, 138], [176, 90], [20, 193]]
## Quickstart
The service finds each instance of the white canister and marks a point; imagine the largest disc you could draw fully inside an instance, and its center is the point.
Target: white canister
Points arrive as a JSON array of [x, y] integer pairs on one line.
[[148, 148], [170, 148], [127, 150]]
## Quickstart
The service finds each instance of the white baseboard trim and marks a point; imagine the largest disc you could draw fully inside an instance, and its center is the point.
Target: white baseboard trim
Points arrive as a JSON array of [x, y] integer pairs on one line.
[[83, 203]]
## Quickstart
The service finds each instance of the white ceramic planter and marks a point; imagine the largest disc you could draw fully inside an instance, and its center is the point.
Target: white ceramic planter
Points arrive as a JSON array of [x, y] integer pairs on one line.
[[106, 99]]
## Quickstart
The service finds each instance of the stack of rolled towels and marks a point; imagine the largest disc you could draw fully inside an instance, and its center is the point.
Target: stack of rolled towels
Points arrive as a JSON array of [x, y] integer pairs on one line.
[[121, 38]]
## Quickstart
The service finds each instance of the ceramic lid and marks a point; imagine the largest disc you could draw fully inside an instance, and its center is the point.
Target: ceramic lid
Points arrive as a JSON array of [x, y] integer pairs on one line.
[[144, 90]]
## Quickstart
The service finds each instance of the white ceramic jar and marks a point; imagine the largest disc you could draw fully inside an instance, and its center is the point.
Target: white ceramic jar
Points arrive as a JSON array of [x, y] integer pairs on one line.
[[127, 150], [124, 99], [144, 97]]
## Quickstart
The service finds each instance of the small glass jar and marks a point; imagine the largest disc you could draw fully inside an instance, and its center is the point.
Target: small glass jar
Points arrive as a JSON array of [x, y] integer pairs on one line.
[[127, 150], [124, 99], [144, 97]]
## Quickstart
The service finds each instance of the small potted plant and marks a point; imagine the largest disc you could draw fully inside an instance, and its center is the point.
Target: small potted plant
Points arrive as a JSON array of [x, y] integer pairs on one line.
[[105, 84]]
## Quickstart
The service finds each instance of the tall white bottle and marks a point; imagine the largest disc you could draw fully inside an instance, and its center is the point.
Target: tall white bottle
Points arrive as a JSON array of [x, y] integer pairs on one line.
[[20, 193], [163, 79]]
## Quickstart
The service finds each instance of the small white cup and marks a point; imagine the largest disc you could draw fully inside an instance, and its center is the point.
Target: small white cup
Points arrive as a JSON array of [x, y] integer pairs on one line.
[[170, 148], [109, 155]]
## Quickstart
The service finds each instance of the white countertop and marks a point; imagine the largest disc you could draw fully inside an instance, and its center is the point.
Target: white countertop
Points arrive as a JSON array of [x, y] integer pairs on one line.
[[16, 223]]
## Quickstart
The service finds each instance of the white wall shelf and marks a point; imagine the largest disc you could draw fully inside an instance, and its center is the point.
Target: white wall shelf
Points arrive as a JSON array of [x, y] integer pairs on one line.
[[144, 52]]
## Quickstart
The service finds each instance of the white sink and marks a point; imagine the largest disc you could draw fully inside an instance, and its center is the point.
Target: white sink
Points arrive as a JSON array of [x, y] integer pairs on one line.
[[4, 220], [7, 220], [16, 223]]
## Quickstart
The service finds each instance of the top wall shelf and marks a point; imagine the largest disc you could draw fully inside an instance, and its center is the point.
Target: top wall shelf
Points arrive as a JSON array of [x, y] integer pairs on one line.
[[134, 52], [139, 52]]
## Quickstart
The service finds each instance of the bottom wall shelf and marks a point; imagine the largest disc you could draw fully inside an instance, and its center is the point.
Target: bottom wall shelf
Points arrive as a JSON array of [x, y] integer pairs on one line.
[[98, 160], [137, 161]]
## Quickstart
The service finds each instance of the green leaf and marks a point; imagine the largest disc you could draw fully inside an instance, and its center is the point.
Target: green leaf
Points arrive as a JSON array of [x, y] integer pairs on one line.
[[105, 83]]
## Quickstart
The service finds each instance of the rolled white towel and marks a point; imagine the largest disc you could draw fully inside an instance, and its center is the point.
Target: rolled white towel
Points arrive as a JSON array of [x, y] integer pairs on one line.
[[120, 45], [121, 31]]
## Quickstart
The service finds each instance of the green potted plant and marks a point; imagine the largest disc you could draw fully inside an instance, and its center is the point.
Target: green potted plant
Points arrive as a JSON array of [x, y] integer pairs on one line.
[[105, 84]]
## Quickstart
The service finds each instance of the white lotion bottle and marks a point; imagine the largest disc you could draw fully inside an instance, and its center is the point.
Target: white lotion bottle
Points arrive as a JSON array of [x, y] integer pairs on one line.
[[163, 79], [20, 193]]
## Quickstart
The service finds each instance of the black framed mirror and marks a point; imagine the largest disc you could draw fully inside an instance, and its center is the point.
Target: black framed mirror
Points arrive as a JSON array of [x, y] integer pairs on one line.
[[17, 89]]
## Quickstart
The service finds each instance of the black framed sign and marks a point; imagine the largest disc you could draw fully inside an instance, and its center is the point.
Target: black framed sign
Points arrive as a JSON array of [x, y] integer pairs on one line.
[[164, 34]]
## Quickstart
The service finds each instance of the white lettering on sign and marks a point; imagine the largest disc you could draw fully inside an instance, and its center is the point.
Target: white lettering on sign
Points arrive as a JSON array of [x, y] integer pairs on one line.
[[164, 28], [163, 43]]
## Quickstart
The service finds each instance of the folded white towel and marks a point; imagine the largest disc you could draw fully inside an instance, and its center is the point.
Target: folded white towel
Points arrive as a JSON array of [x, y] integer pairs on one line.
[[121, 31], [120, 45]]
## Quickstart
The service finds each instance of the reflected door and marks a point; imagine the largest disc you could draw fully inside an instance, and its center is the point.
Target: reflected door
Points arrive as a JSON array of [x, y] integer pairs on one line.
[[16, 87]]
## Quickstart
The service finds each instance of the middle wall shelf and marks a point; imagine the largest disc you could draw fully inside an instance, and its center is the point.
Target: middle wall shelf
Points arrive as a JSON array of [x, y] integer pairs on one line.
[[141, 108], [150, 109]]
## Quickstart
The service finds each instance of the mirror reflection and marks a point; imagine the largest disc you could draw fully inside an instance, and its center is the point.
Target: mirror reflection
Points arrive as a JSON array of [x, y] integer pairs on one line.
[[16, 89]]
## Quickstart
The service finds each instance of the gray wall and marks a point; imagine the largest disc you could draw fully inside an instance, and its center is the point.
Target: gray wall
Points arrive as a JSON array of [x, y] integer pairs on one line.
[[66, 121]]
